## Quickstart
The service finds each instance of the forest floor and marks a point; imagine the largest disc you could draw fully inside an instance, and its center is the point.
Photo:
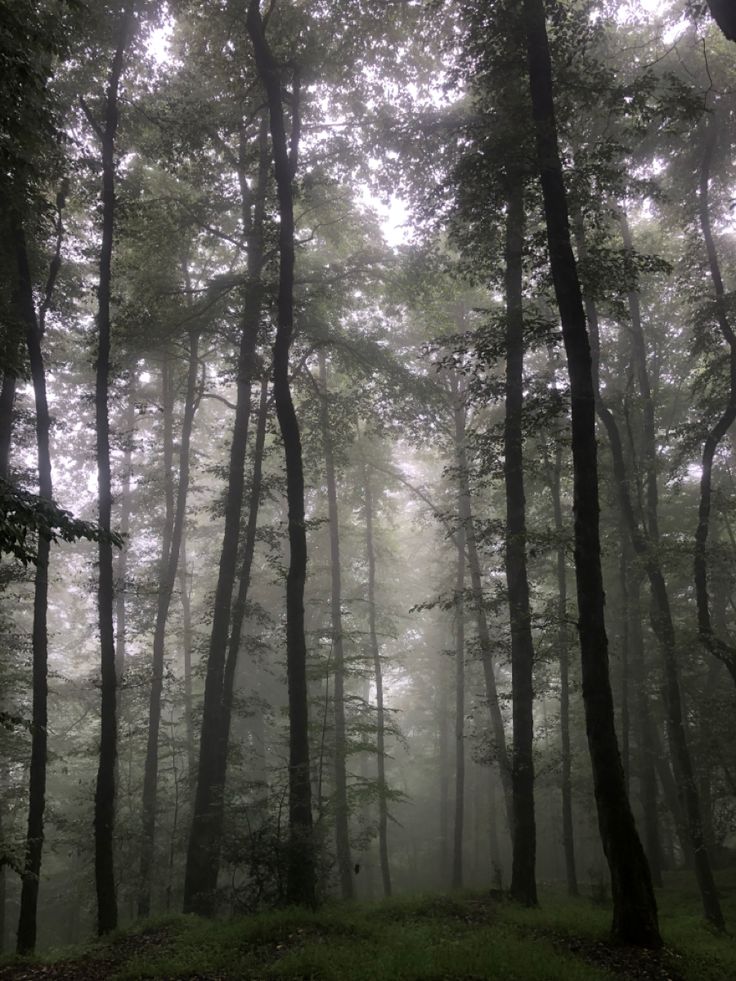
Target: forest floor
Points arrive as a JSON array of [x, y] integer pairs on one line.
[[459, 937]]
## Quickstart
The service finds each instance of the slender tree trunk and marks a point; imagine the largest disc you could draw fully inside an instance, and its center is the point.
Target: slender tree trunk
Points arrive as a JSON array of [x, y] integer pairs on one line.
[[442, 702], [378, 675], [186, 615], [459, 824], [7, 403], [646, 548], [484, 636], [625, 621], [342, 813], [217, 808], [121, 566], [204, 845], [170, 550], [568, 836], [301, 870], [646, 753], [635, 910], [523, 880], [39, 734], [708, 637], [104, 820]]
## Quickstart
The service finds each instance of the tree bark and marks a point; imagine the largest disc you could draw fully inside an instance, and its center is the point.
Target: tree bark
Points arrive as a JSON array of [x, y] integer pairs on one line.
[[484, 636], [568, 835], [378, 675], [170, 549], [186, 641], [523, 880], [26, 940], [342, 813], [710, 640], [459, 822], [635, 910], [104, 819], [121, 566], [7, 404], [725, 16], [204, 842], [301, 871]]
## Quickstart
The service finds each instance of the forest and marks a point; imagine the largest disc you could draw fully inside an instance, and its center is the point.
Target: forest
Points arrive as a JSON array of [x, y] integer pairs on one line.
[[368, 489]]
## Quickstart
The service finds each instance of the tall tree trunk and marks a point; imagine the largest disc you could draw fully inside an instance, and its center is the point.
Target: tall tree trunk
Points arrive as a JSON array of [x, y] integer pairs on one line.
[[204, 845], [442, 702], [121, 566], [7, 403], [301, 870], [635, 909], [39, 733], [646, 548], [378, 675], [217, 807], [484, 636], [716, 645], [342, 813], [563, 643], [523, 880], [104, 820], [170, 549], [186, 641], [646, 753], [459, 823]]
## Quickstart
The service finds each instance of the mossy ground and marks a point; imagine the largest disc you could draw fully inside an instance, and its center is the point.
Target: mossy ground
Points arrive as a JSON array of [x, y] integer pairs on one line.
[[464, 937]]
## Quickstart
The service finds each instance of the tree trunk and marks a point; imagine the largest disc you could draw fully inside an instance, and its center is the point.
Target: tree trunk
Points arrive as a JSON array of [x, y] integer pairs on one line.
[[484, 636], [378, 675], [104, 820], [7, 403], [342, 813], [635, 910], [523, 880], [217, 807], [171, 545], [725, 16], [568, 836], [716, 645], [458, 827], [186, 641], [646, 753], [39, 733], [121, 566], [301, 871], [204, 844]]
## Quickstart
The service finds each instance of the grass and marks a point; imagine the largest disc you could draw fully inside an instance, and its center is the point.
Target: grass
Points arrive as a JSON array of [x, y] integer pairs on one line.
[[468, 937]]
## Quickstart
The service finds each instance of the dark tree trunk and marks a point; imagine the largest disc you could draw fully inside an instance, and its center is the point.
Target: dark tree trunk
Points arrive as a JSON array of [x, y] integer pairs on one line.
[[378, 675], [342, 814], [568, 836], [635, 910], [625, 621], [647, 551], [171, 546], [7, 403], [716, 645], [39, 738], [217, 809], [523, 880], [458, 827], [724, 14], [186, 641], [104, 820], [204, 842], [442, 689], [121, 566], [301, 870]]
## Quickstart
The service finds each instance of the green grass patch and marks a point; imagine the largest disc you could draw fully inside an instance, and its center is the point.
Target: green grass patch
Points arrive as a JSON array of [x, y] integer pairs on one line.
[[457, 937]]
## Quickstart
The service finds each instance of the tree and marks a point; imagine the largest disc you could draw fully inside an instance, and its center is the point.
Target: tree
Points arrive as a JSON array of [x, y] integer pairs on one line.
[[635, 910], [300, 875], [107, 910]]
